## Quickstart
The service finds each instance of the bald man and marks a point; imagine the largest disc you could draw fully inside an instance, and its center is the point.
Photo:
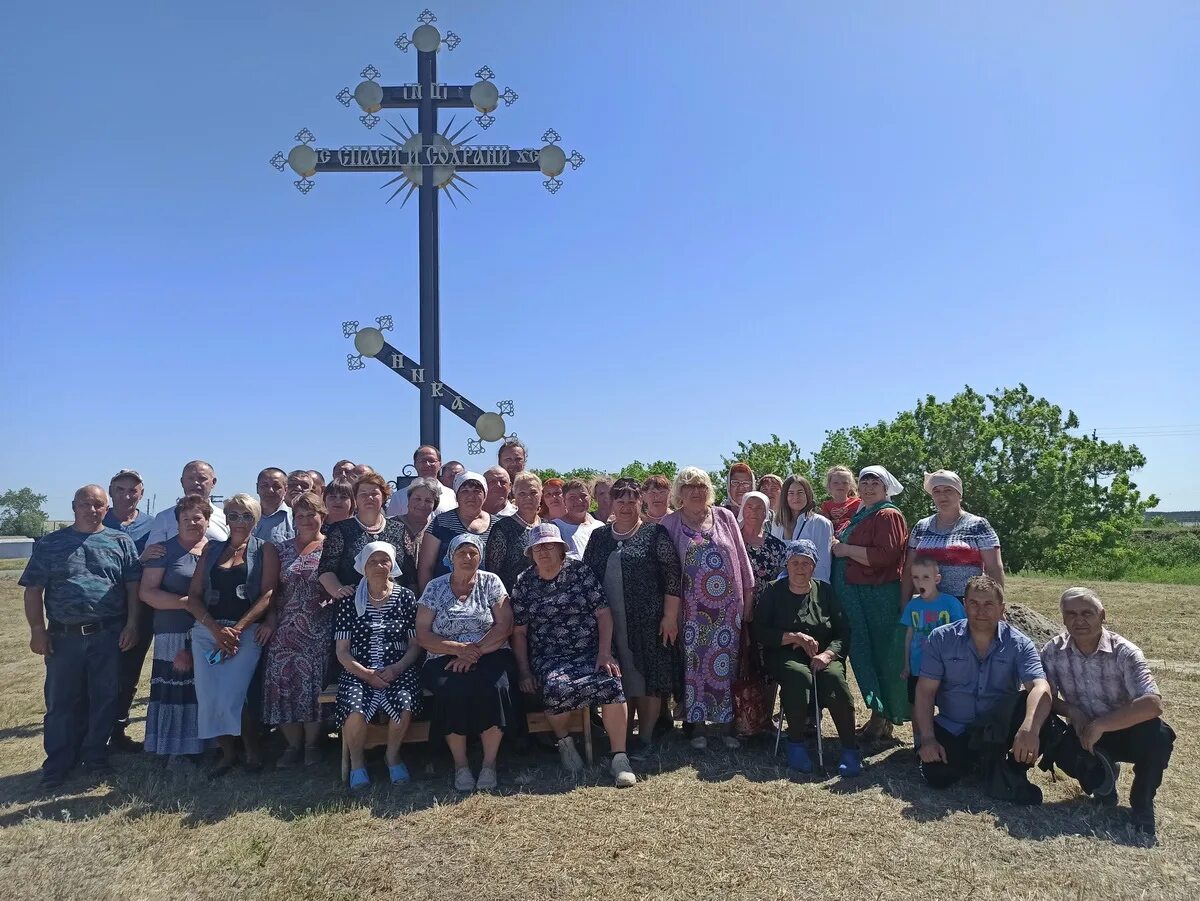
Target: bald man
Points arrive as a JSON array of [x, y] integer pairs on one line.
[[81, 588]]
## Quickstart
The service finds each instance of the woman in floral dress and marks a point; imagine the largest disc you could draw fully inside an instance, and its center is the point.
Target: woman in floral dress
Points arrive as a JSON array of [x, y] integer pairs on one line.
[[753, 689], [562, 639], [718, 589], [297, 657]]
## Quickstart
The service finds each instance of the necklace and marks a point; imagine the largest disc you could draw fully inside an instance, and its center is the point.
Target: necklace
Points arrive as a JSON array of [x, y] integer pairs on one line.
[[383, 597], [621, 536], [373, 529]]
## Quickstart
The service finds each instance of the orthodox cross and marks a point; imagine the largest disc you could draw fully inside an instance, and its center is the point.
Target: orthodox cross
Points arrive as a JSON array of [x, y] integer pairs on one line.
[[427, 160]]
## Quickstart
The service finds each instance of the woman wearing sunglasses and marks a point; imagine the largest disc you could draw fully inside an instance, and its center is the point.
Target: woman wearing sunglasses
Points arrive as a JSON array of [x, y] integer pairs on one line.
[[868, 556], [230, 592]]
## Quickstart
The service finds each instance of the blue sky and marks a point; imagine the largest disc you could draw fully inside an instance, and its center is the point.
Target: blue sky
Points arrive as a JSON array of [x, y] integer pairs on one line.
[[797, 218]]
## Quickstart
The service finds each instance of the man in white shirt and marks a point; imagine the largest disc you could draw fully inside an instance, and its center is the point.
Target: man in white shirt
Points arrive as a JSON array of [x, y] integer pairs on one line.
[[427, 460], [577, 524], [198, 479]]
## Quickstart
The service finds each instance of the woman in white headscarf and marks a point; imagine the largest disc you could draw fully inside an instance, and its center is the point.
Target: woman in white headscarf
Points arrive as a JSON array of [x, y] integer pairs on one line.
[[868, 560], [374, 636]]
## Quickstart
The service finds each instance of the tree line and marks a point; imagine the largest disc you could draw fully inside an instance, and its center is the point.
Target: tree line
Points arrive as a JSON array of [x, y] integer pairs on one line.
[[1058, 497]]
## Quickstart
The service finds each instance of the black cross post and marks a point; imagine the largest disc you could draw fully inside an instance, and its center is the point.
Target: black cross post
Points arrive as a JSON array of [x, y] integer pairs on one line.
[[427, 160]]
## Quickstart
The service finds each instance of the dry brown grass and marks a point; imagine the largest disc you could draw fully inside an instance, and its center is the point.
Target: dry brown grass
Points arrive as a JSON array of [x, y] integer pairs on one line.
[[719, 825]]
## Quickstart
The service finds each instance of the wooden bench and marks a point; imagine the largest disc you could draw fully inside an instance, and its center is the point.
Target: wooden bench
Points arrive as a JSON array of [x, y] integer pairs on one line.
[[579, 721]]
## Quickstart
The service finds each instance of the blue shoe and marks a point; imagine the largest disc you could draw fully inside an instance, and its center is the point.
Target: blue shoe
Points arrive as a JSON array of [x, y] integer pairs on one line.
[[851, 763], [399, 773], [797, 757], [359, 779]]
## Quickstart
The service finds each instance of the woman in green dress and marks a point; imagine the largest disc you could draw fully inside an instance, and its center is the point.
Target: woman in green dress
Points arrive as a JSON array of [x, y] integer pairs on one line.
[[868, 562]]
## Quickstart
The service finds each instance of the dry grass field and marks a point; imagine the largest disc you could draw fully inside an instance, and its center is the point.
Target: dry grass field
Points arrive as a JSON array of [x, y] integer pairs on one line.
[[714, 825]]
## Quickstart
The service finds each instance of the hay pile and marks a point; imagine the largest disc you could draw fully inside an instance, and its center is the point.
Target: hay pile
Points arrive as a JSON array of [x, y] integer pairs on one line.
[[1033, 624]]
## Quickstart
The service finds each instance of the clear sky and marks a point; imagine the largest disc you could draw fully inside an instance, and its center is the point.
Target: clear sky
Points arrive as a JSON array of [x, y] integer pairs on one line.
[[791, 219]]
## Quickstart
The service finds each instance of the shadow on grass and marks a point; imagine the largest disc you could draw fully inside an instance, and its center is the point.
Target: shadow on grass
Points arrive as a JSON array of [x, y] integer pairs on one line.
[[141, 784], [898, 775]]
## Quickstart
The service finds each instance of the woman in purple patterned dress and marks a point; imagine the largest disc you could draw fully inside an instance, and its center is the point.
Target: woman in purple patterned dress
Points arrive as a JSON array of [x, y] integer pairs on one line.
[[718, 590], [298, 654]]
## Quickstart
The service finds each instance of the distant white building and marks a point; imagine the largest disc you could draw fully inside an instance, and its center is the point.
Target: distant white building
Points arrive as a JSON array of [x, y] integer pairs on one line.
[[17, 548]]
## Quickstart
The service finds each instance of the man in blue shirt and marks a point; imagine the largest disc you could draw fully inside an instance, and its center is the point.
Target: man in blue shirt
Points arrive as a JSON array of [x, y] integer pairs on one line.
[[125, 490], [991, 690], [84, 580], [275, 524]]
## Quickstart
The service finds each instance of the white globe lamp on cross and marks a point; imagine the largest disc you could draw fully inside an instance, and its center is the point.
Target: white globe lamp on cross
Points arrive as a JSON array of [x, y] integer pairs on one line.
[[426, 38], [484, 96], [552, 160], [303, 160], [368, 341], [490, 426], [369, 96]]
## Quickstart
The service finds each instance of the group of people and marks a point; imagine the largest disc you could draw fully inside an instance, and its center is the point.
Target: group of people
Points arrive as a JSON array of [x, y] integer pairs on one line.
[[471, 599]]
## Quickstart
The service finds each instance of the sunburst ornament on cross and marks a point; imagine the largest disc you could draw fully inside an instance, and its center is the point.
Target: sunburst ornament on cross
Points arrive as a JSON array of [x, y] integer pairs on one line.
[[427, 161]]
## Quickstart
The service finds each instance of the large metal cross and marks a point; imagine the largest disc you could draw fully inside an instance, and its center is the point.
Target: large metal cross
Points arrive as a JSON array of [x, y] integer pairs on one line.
[[427, 160]]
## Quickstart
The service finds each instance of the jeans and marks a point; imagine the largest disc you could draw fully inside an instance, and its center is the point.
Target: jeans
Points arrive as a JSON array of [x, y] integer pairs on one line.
[[984, 744], [81, 698], [131, 668]]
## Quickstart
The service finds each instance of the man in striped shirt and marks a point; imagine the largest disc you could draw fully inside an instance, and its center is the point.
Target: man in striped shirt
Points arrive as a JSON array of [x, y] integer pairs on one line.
[[1104, 689]]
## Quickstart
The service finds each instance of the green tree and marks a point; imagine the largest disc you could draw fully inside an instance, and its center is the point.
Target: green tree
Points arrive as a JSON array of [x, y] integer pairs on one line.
[[21, 513], [1055, 497], [783, 458], [639, 470]]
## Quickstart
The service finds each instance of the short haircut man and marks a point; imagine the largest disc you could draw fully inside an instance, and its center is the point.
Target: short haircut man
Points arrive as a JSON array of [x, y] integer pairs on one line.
[[125, 491], [198, 478], [450, 471], [81, 605], [1103, 688], [428, 462], [991, 690], [275, 492], [499, 484], [513, 456]]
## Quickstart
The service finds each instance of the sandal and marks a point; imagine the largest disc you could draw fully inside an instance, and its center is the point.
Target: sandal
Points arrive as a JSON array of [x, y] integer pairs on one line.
[[398, 773], [359, 779]]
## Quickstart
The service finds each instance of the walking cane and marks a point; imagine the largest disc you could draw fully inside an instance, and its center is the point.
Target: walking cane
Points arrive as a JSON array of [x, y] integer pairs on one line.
[[817, 722]]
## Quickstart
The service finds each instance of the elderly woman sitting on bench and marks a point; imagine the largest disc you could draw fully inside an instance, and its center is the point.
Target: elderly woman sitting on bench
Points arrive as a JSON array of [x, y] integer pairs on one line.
[[563, 643], [805, 635], [464, 621], [373, 638]]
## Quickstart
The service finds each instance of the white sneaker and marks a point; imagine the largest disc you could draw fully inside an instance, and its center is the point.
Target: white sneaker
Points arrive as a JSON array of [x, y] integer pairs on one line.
[[487, 779], [570, 758], [622, 772], [464, 780]]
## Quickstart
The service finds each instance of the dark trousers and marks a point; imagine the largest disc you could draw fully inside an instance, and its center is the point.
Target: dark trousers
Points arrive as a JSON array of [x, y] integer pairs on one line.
[[1147, 746], [794, 675], [81, 698], [131, 668], [983, 745]]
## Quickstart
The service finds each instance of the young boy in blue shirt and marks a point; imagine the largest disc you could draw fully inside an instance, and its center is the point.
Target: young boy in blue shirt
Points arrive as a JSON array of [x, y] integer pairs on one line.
[[928, 609]]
